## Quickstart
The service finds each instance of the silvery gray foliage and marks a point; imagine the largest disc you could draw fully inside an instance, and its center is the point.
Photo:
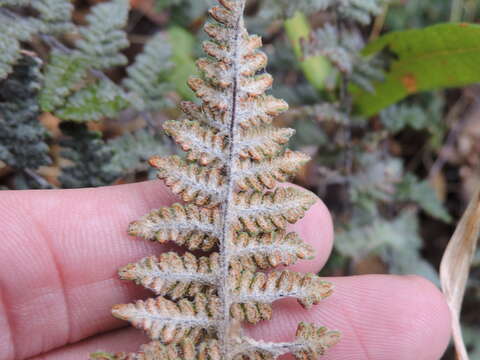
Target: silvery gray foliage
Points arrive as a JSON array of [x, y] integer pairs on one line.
[[13, 30], [54, 16], [147, 78], [398, 117], [131, 150], [22, 137], [89, 155], [357, 10], [396, 241], [104, 36]]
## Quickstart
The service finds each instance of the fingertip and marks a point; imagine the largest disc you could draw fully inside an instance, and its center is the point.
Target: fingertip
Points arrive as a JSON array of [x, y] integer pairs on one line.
[[394, 317]]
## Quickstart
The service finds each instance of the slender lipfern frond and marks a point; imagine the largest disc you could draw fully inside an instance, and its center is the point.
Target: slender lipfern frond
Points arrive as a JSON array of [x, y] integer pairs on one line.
[[269, 250], [234, 156], [103, 38], [173, 322], [189, 226]]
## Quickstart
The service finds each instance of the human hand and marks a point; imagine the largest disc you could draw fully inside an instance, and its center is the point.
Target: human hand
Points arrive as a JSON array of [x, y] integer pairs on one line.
[[60, 251]]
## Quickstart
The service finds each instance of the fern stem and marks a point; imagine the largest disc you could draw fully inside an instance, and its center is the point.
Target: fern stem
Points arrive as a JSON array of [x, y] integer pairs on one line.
[[227, 208]]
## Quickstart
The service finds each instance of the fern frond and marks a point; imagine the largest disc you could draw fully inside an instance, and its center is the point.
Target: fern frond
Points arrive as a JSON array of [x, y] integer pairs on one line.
[[189, 226], [257, 212], [22, 137], [172, 322], [90, 157], [93, 102], [173, 275], [62, 74], [233, 155], [258, 287], [56, 15], [148, 75], [132, 149], [103, 38], [311, 342], [264, 175], [154, 350], [202, 143], [268, 250], [196, 184], [13, 29]]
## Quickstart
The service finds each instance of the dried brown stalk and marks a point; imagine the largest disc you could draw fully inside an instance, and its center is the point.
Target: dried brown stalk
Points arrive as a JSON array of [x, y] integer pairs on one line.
[[234, 211], [455, 267]]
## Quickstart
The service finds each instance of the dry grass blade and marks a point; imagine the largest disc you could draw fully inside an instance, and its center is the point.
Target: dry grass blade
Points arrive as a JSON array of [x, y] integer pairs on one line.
[[455, 267]]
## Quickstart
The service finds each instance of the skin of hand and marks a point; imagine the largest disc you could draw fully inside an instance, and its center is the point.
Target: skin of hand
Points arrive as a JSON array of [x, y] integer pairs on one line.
[[59, 255]]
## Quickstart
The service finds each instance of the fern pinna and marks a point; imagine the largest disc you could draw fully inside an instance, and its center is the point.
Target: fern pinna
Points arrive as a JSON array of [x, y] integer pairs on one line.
[[228, 179]]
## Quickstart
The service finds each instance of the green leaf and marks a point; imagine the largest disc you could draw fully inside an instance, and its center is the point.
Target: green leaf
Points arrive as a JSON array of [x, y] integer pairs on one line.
[[421, 192], [93, 102], [439, 56]]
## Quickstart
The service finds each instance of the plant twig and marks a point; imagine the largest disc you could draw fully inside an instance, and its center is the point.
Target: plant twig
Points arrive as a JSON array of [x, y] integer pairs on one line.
[[379, 22], [44, 184], [455, 267]]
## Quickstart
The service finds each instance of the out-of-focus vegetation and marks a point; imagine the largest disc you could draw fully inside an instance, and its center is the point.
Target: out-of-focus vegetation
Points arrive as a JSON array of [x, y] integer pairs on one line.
[[382, 96]]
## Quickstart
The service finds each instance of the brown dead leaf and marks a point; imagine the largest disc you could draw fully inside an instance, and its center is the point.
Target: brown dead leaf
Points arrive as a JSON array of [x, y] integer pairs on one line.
[[455, 267]]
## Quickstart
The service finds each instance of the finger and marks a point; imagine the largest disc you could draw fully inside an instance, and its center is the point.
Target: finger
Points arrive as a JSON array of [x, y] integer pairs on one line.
[[121, 340], [61, 253], [380, 317]]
